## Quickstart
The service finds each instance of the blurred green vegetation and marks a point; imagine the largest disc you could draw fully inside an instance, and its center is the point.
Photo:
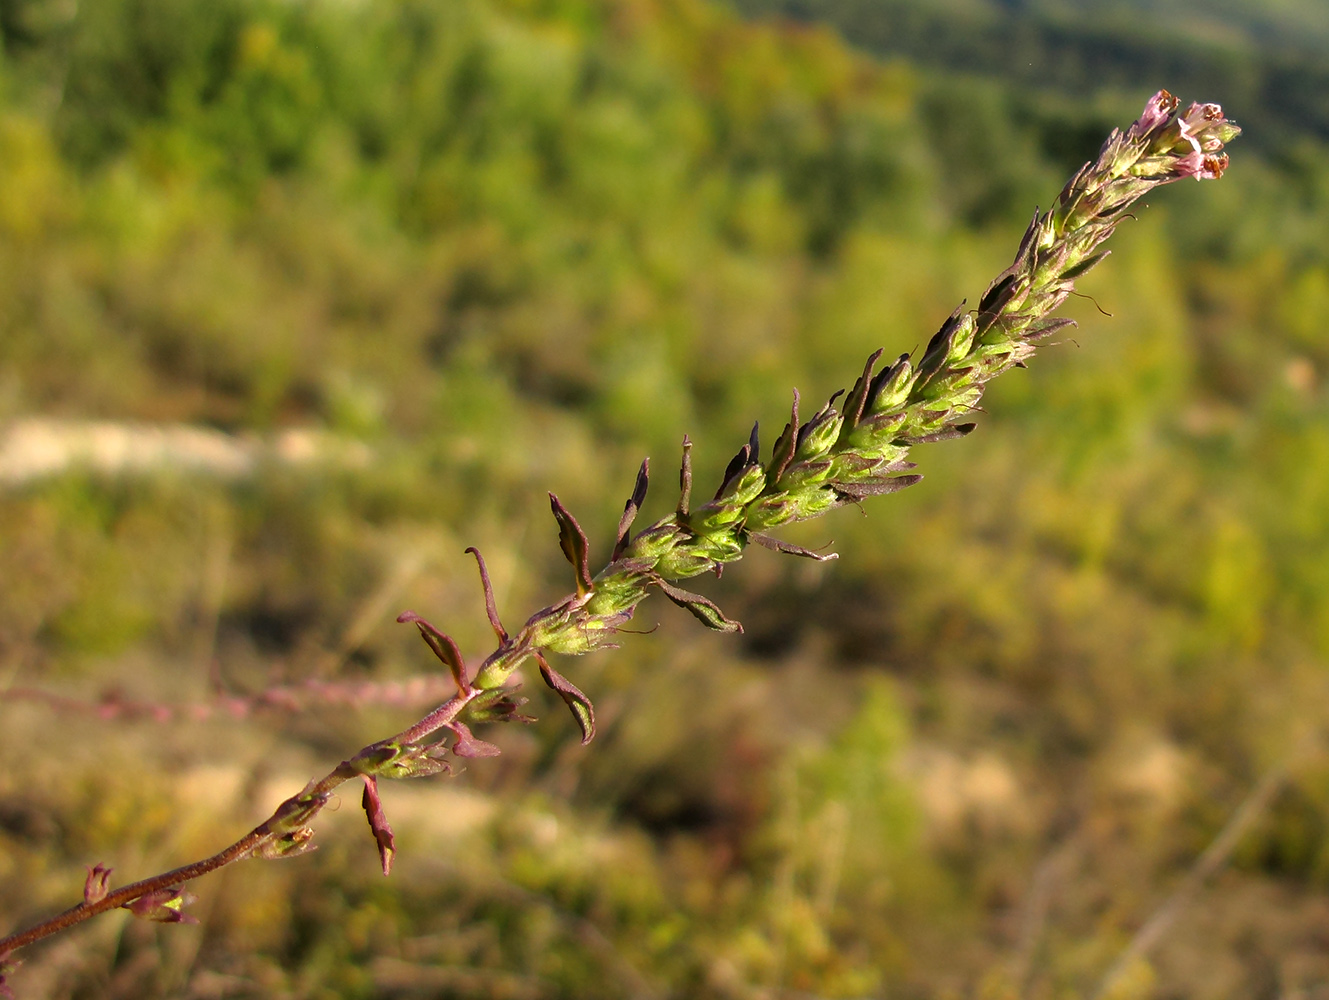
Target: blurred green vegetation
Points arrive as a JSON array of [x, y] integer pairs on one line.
[[512, 246]]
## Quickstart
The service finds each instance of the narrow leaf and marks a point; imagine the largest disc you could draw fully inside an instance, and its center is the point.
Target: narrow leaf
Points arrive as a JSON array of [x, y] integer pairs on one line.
[[858, 396], [939, 347], [1027, 243], [442, 645], [685, 478], [582, 709], [631, 507], [1038, 331], [745, 457], [876, 487], [947, 433], [788, 548], [997, 292], [703, 609], [572, 540], [786, 445], [378, 823], [491, 609]]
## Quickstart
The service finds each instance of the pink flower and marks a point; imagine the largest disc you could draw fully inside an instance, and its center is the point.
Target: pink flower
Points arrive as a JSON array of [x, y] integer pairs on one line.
[[1156, 112], [1203, 168]]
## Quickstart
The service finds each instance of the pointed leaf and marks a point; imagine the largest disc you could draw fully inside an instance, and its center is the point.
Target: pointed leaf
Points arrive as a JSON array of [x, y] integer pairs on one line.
[[582, 709], [573, 542], [786, 444], [471, 746], [939, 347], [788, 548], [745, 457], [1028, 243], [702, 609], [853, 404], [491, 609], [876, 487], [998, 292], [378, 823], [631, 507], [947, 433], [442, 645], [685, 478], [1037, 331]]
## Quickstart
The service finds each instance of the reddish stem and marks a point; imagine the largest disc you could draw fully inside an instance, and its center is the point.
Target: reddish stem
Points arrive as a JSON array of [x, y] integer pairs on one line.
[[241, 849]]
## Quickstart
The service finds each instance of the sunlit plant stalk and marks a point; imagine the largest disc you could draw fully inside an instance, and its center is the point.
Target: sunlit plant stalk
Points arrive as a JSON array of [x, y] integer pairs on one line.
[[836, 457]]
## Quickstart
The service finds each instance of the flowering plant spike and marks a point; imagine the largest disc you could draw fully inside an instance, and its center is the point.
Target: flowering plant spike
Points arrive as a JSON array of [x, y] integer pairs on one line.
[[837, 456]]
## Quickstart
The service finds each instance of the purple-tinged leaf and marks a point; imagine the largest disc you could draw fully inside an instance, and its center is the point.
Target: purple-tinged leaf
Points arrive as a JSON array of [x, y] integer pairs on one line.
[[164, 906], [875, 487], [631, 507], [998, 293], [703, 609], [858, 396], [1037, 331], [748, 454], [1028, 250], [582, 709], [572, 540], [468, 745], [378, 822], [94, 886], [491, 608], [685, 479], [788, 548], [785, 445], [939, 347], [442, 645]]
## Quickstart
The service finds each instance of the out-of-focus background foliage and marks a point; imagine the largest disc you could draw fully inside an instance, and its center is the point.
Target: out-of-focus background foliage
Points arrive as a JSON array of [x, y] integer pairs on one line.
[[298, 299]]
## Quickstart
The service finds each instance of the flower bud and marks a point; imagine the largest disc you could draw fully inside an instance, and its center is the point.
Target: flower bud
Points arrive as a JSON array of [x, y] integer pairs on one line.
[[164, 906], [94, 887]]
